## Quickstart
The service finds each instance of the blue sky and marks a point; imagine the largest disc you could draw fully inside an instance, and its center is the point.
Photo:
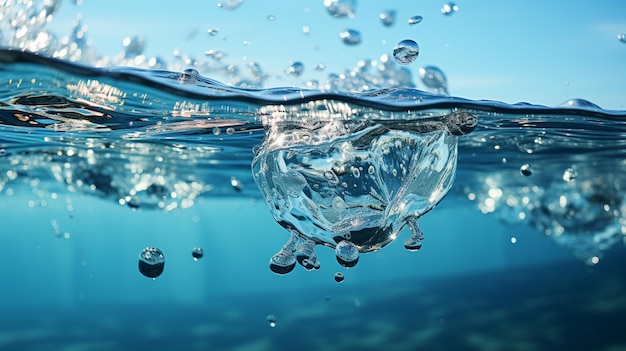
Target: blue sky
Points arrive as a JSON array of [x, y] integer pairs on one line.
[[533, 51]]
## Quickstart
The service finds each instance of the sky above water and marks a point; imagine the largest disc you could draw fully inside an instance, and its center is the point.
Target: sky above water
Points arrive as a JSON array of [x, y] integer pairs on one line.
[[531, 51]]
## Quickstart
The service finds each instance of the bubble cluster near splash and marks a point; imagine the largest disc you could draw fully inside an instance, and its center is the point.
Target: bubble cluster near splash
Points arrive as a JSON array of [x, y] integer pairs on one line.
[[352, 183]]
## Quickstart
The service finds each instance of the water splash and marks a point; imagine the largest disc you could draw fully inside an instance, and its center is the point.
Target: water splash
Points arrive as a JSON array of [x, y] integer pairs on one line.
[[352, 184]]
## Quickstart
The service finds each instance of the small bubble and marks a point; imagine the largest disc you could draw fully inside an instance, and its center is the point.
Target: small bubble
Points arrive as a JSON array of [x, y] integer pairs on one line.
[[339, 277], [513, 240], [236, 184], [449, 8], [569, 175], [296, 69], [306, 30], [350, 37], [341, 8], [230, 130], [271, 319], [197, 253], [320, 67], [213, 31], [271, 17], [622, 37], [415, 20], [331, 177], [230, 4], [526, 170], [406, 51], [347, 254], [388, 17], [216, 131], [151, 262], [3, 152], [355, 172], [371, 170]]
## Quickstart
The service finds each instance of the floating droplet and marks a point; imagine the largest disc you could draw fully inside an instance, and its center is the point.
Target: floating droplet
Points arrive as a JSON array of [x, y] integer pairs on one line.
[[230, 130], [387, 17], [350, 37], [230, 4], [271, 17], [569, 175], [434, 78], [236, 184], [296, 69], [622, 37], [526, 170], [3, 152], [415, 20], [347, 254], [213, 32], [306, 29], [151, 262], [339, 277], [406, 51], [197, 253], [340, 8], [449, 8], [271, 319]]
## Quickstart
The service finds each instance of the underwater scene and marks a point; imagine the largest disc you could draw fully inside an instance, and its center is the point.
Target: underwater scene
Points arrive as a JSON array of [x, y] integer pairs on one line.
[[312, 175]]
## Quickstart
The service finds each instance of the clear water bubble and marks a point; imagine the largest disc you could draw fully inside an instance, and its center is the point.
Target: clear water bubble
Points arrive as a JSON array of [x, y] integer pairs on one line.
[[415, 20], [569, 174], [3, 152], [230, 130], [414, 243], [230, 4], [449, 8], [526, 170], [197, 253], [306, 30], [406, 51], [296, 69], [320, 67], [213, 31], [347, 254], [350, 37], [271, 319], [339, 277], [236, 184], [271, 17], [434, 78], [341, 8], [388, 17], [151, 262], [622, 37]]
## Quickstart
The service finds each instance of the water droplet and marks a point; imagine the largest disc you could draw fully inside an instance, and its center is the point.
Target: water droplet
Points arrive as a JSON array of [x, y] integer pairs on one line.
[[230, 4], [216, 131], [236, 184], [347, 254], [213, 31], [320, 67], [569, 175], [622, 37], [230, 130], [406, 51], [339, 277], [3, 152], [306, 29], [387, 17], [415, 20], [414, 243], [341, 8], [526, 170], [350, 37], [271, 319], [197, 253], [449, 8], [271, 17], [434, 78], [296, 69], [151, 262], [513, 240]]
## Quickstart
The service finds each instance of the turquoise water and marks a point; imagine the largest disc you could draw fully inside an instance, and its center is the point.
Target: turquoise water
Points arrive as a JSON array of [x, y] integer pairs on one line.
[[516, 209]]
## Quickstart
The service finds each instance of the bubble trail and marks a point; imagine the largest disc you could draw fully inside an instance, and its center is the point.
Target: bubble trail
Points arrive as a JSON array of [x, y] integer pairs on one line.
[[151, 262]]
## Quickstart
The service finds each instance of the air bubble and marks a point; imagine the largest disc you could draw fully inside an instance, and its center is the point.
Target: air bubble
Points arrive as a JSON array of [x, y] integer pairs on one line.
[[230, 130], [341, 8], [339, 277], [569, 174], [387, 17], [151, 262], [406, 52], [622, 37], [296, 69], [526, 170], [434, 78], [197, 253], [449, 8], [415, 20], [271, 17], [271, 319], [350, 37], [3, 152], [213, 32], [347, 254], [236, 184]]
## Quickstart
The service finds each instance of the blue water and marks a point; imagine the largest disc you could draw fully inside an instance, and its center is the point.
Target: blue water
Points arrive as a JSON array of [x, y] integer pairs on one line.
[[517, 210]]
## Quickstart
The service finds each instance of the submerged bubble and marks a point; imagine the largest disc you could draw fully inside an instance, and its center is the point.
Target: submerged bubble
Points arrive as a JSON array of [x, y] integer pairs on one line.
[[526, 170], [350, 37], [406, 52], [271, 17], [236, 184], [569, 174], [230, 4], [347, 254], [449, 8], [213, 32], [415, 20], [388, 17], [434, 78], [133, 46], [296, 69], [339, 277], [341, 8], [271, 319], [622, 37], [151, 262], [197, 253]]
